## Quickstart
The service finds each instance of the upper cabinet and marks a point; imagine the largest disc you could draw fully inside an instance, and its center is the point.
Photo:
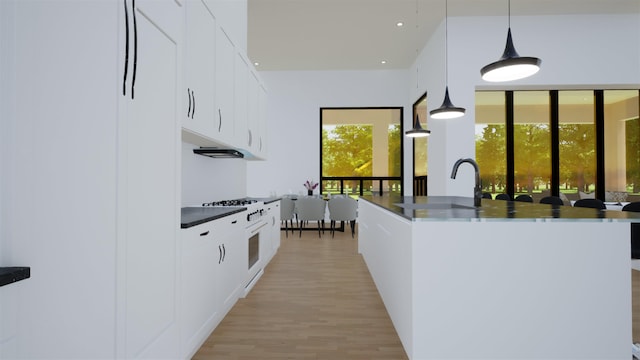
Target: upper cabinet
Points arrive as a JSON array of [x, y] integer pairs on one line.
[[198, 114], [225, 59], [221, 85]]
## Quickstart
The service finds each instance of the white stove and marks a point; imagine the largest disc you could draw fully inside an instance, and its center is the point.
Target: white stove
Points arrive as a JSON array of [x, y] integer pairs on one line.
[[256, 234], [255, 208]]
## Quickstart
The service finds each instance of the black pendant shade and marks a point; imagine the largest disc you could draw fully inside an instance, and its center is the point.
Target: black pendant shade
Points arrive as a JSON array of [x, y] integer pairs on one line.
[[417, 130], [511, 66], [447, 110]]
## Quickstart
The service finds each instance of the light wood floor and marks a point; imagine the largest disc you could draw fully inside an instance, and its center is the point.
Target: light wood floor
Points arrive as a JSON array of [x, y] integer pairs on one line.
[[316, 300]]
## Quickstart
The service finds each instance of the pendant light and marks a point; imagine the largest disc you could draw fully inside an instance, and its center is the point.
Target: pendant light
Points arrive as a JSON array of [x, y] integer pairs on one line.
[[511, 66], [417, 130], [447, 110]]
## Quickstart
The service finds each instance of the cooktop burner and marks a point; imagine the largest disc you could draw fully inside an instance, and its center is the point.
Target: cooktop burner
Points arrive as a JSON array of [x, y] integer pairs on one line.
[[236, 202]]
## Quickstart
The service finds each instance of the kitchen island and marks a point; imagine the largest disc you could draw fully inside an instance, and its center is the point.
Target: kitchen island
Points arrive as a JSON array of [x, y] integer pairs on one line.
[[505, 280]]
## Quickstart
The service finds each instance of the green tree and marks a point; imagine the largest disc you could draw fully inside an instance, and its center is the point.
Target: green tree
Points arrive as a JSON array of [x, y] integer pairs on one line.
[[632, 134], [532, 156], [491, 156], [347, 150], [395, 152], [577, 155]]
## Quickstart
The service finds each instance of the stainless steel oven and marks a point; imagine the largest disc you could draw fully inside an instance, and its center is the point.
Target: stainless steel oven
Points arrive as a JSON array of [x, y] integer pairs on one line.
[[256, 235]]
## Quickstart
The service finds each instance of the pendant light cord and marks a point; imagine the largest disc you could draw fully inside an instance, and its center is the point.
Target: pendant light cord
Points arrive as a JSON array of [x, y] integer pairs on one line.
[[509, 12], [417, 46], [446, 43]]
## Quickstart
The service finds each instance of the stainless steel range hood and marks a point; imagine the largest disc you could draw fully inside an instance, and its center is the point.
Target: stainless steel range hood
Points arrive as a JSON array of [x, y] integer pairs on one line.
[[219, 153]]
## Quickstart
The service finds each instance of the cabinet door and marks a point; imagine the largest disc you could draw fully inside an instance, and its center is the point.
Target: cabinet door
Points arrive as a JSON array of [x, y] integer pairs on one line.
[[199, 86], [225, 59], [241, 75], [233, 264], [262, 121], [274, 222], [253, 121], [149, 213], [200, 258]]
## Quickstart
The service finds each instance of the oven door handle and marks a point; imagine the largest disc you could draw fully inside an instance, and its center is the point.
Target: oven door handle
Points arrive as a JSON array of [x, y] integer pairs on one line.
[[254, 231]]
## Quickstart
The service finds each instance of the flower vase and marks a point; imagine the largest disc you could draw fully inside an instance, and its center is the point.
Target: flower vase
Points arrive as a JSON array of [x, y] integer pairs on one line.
[[309, 192]]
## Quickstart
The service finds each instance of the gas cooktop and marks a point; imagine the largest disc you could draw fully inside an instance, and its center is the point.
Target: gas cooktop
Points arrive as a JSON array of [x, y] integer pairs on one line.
[[235, 202]]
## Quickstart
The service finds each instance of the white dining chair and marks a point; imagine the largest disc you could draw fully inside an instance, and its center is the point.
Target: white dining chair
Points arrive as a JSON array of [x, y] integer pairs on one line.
[[343, 209], [310, 208]]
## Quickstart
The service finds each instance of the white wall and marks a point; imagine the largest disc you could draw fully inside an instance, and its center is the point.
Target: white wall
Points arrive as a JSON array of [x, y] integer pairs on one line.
[[576, 51], [206, 179], [293, 115]]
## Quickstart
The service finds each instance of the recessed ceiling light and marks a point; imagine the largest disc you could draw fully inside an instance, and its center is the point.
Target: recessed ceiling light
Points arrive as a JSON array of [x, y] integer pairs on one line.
[[383, 62], [399, 24], [256, 63]]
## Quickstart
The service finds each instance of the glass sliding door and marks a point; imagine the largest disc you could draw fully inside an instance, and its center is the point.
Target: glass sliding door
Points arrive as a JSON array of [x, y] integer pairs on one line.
[[531, 144], [577, 143], [622, 145], [420, 163], [490, 137]]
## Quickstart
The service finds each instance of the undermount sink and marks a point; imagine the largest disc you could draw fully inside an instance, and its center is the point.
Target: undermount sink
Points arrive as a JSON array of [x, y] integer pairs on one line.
[[436, 206]]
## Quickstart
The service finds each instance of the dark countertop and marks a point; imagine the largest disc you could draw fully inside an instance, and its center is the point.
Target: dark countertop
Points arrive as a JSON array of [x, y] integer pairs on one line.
[[9, 275], [456, 208], [266, 200], [192, 216]]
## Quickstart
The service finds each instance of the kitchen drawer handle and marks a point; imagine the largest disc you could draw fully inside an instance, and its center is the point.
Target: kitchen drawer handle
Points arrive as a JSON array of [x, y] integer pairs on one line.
[[205, 233], [220, 254], [135, 47], [224, 252], [189, 109], [126, 49], [193, 110], [219, 121], [234, 222]]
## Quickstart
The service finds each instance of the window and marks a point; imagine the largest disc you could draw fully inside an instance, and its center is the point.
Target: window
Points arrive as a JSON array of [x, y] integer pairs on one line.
[[560, 142], [361, 150], [420, 164]]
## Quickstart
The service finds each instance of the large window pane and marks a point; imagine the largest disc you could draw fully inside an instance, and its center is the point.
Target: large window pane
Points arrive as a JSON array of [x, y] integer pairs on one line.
[[361, 143], [491, 140], [622, 145], [420, 163], [577, 143], [531, 143]]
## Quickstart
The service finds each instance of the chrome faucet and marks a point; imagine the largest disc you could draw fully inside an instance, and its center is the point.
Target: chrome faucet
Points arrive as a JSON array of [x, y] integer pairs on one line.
[[477, 190]]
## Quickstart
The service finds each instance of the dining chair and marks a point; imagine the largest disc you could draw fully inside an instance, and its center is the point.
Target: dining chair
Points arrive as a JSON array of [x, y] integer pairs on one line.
[[310, 208], [552, 200], [634, 206], [343, 209], [503, 197], [287, 213], [590, 203], [524, 198]]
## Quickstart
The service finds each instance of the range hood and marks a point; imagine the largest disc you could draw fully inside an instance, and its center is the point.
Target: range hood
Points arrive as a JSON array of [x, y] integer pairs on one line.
[[219, 153]]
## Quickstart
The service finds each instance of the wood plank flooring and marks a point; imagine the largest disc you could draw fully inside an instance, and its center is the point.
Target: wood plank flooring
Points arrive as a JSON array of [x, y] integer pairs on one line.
[[316, 300]]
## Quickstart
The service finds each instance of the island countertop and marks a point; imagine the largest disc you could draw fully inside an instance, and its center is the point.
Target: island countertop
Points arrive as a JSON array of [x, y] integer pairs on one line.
[[457, 208]]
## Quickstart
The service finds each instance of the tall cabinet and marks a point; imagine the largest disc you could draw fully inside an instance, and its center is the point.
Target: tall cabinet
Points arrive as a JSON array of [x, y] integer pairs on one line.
[[90, 176]]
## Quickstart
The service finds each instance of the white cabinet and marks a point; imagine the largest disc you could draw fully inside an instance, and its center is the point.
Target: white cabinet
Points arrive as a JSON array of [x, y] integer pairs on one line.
[[273, 221], [225, 82], [262, 120], [149, 182], [241, 74], [200, 257], [213, 260], [98, 152], [198, 112]]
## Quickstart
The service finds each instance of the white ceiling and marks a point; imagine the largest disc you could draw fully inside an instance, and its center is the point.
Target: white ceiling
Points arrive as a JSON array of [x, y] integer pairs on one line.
[[359, 34]]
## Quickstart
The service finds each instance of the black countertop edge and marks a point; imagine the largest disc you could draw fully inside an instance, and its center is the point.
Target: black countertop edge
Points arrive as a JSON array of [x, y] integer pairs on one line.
[[266, 200], [9, 275], [499, 210], [192, 216]]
